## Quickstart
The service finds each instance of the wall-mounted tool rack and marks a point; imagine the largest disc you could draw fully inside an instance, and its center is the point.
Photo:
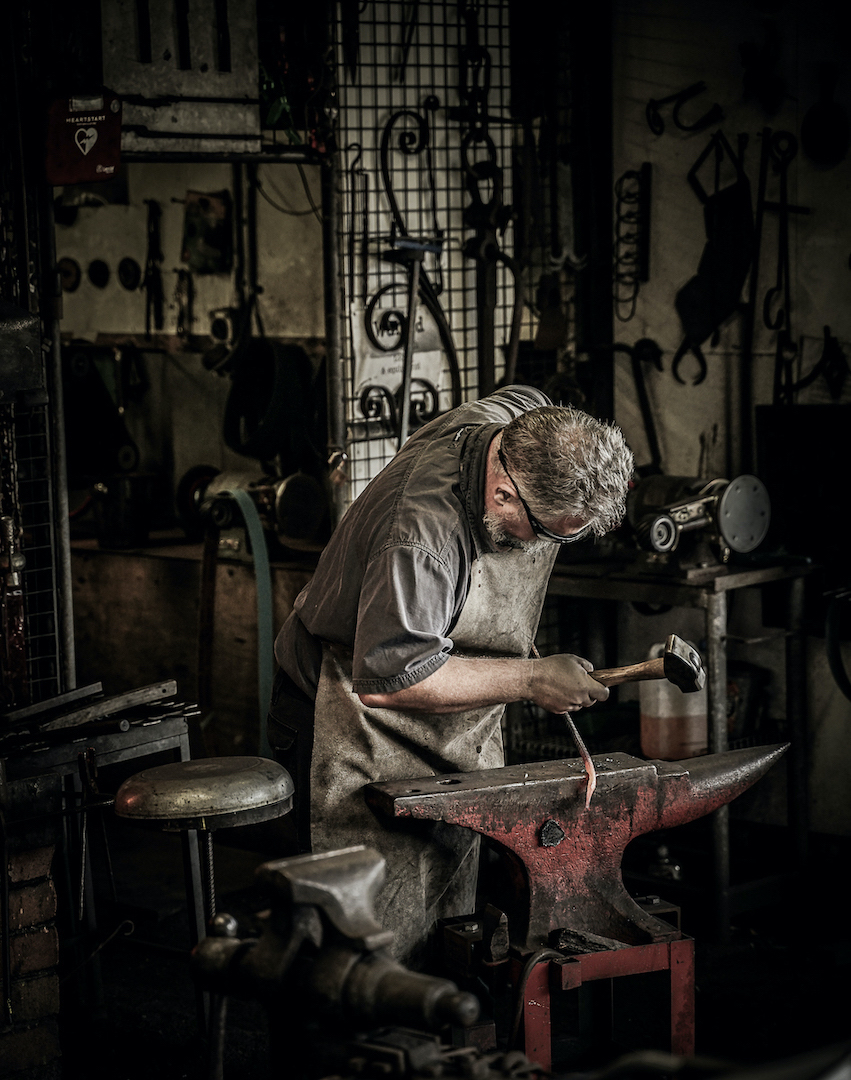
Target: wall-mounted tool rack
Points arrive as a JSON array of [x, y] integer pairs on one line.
[[428, 149]]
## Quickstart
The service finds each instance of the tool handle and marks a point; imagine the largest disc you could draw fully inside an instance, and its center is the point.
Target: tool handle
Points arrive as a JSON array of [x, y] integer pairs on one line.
[[647, 669]]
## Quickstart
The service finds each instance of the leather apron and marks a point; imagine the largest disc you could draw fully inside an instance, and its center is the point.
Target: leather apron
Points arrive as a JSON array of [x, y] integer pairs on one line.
[[432, 867]]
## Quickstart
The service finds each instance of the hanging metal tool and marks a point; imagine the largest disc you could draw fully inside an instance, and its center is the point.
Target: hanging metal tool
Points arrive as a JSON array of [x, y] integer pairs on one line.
[[153, 280], [487, 213], [410, 252], [409, 25], [714, 115], [350, 21], [359, 228], [832, 366], [632, 239], [184, 296], [783, 149], [645, 351], [490, 218], [411, 256], [715, 291]]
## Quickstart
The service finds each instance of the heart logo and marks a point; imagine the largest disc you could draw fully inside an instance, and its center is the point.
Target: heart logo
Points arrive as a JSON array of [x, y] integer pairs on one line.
[[85, 138]]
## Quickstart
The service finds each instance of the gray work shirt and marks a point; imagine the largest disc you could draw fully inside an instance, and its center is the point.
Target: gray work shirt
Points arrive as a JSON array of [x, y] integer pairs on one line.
[[393, 579]]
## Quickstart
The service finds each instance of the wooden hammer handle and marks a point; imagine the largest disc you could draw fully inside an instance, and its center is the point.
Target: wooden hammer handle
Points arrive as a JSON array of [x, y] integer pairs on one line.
[[647, 669]]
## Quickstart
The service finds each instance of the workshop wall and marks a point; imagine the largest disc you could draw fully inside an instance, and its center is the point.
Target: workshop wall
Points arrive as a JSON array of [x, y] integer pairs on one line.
[[764, 69], [173, 406]]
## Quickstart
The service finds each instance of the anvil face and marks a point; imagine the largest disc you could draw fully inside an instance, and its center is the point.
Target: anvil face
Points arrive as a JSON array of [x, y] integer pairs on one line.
[[570, 856]]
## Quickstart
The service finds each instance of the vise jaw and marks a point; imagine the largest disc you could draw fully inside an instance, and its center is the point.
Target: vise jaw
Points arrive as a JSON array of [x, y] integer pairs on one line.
[[565, 860]]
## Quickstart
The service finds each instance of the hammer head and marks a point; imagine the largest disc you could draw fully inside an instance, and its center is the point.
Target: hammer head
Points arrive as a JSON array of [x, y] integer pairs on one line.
[[683, 665]]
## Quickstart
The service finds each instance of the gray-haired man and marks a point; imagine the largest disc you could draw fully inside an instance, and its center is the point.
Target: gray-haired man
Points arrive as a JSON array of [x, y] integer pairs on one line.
[[417, 628]]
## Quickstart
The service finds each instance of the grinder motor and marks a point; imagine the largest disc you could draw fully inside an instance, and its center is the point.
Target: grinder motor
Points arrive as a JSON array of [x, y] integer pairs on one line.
[[700, 520]]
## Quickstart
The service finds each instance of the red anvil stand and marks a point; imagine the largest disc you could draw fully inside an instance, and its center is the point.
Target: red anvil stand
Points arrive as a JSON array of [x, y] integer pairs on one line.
[[569, 858], [675, 956]]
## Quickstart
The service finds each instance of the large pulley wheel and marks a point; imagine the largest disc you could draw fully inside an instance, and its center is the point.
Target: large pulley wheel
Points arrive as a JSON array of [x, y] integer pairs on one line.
[[744, 513]]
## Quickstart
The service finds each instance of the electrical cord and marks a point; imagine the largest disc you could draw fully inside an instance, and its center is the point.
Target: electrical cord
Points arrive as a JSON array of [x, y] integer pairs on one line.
[[539, 957], [313, 208]]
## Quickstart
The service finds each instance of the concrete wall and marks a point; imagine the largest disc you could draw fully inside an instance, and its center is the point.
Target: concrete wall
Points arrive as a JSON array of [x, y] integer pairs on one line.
[[289, 251]]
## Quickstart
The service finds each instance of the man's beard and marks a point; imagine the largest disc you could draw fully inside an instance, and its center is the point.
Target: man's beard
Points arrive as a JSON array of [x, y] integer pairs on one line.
[[496, 531]]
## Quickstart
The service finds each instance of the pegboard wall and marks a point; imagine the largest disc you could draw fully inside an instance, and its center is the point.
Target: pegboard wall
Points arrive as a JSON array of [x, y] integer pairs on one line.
[[430, 157]]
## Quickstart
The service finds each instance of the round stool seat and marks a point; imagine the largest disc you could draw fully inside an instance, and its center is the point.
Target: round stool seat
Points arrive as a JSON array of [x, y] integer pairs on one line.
[[207, 794]]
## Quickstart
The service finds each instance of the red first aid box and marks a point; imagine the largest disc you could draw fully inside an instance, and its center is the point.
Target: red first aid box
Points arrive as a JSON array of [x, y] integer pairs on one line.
[[83, 139]]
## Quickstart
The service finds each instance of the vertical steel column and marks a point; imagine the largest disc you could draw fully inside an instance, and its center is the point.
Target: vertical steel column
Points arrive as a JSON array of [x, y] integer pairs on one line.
[[715, 604], [333, 286], [63, 590]]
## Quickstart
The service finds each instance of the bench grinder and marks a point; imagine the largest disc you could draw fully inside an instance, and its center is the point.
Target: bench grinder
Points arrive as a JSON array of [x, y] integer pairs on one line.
[[699, 522]]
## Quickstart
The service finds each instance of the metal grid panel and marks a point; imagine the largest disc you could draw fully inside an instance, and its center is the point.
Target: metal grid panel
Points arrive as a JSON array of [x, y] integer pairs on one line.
[[26, 494], [411, 101], [36, 508]]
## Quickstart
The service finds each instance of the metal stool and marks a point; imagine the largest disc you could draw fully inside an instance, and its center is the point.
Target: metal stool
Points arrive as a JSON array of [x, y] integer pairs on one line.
[[199, 797]]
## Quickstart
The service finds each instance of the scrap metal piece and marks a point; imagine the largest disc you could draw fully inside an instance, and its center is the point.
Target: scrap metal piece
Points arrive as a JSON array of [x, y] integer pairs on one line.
[[576, 884], [587, 761]]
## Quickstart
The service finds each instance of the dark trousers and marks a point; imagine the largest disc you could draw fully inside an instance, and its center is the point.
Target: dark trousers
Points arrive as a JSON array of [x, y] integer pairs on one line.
[[290, 729]]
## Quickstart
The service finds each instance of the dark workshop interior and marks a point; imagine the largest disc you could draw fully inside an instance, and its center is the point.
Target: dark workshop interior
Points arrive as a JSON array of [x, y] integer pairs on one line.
[[247, 248]]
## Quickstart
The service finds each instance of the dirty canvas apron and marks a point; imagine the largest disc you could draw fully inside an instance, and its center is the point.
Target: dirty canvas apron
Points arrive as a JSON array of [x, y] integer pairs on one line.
[[432, 867]]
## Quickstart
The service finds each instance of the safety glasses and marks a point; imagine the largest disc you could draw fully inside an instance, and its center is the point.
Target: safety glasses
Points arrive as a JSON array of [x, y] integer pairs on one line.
[[540, 530]]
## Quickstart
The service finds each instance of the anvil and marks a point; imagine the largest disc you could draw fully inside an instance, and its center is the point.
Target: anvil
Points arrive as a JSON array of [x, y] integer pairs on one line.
[[568, 858]]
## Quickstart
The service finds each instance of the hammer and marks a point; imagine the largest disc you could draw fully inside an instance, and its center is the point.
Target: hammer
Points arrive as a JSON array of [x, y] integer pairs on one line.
[[679, 664]]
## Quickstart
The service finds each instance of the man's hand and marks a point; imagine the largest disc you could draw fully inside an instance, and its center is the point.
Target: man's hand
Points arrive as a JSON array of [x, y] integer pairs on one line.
[[563, 683]]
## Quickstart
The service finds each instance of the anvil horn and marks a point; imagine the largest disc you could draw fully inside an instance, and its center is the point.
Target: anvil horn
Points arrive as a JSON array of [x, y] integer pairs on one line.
[[713, 781], [570, 855]]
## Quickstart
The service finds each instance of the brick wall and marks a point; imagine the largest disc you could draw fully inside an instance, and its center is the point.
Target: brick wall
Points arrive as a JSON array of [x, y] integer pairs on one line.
[[29, 1021]]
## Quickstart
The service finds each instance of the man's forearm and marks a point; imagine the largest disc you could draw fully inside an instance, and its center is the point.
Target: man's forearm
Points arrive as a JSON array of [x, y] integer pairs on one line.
[[461, 683], [558, 683]]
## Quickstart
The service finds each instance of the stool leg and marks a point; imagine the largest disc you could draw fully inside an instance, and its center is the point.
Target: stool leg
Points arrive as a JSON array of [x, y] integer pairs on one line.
[[196, 907], [194, 885]]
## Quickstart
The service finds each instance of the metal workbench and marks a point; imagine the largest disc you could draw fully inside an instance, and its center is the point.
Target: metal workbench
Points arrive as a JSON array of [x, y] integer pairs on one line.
[[144, 738]]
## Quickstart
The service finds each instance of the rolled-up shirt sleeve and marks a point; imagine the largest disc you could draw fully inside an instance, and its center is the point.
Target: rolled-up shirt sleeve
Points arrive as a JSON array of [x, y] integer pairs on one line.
[[409, 603]]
